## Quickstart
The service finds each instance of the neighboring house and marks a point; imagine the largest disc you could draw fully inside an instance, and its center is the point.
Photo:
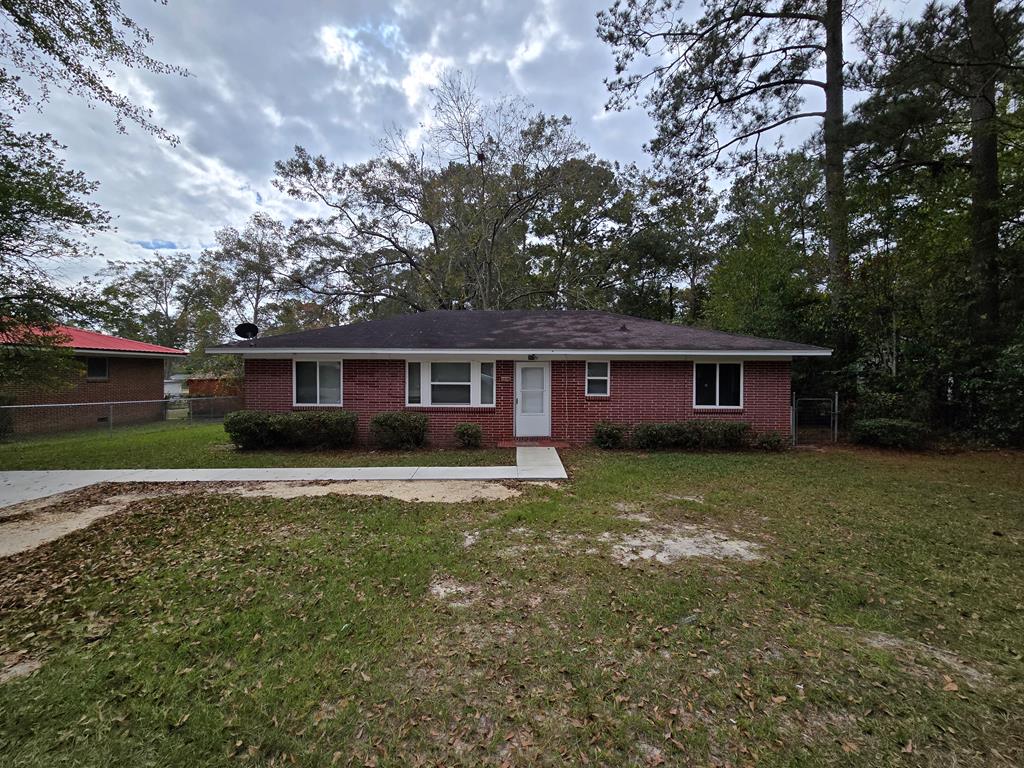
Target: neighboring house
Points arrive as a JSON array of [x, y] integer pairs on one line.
[[112, 370], [214, 386], [174, 385], [524, 374]]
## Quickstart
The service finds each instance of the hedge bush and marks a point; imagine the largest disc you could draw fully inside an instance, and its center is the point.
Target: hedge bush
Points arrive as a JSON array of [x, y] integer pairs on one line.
[[469, 435], [399, 429], [890, 433], [609, 435], [770, 441], [651, 437], [255, 430], [252, 430], [692, 435], [318, 429]]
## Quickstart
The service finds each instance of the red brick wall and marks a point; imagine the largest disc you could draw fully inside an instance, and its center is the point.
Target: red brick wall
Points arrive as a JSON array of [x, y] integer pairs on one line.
[[640, 391], [662, 391], [372, 386], [129, 378]]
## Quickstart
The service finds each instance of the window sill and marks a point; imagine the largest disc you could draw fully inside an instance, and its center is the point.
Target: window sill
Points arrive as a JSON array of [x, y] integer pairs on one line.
[[449, 406], [318, 405], [597, 397], [97, 381], [727, 408]]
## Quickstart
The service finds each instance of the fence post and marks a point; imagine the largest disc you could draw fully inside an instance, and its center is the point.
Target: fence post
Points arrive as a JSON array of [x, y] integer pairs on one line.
[[792, 418], [110, 419], [835, 417]]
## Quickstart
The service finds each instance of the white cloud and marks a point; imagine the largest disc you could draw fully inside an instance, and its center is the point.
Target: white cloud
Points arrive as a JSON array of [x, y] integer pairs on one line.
[[338, 46], [424, 72]]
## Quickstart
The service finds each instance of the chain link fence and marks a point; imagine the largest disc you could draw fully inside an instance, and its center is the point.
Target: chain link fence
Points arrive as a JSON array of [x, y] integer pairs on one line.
[[52, 418], [815, 419]]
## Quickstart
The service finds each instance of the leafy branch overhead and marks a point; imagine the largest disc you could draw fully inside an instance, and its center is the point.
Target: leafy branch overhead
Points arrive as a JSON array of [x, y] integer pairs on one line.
[[77, 46]]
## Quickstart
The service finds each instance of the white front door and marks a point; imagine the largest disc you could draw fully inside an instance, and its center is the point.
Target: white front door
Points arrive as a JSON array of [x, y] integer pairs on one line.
[[533, 399]]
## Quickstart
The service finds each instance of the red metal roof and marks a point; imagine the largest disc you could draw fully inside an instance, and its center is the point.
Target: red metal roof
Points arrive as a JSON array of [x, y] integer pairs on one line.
[[79, 338]]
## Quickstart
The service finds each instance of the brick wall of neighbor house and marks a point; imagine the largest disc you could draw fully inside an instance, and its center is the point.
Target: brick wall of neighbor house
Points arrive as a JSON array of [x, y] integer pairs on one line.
[[640, 391], [129, 378]]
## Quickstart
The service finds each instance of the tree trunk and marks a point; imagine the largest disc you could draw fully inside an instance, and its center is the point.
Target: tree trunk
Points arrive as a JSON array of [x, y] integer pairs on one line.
[[985, 218], [835, 149]]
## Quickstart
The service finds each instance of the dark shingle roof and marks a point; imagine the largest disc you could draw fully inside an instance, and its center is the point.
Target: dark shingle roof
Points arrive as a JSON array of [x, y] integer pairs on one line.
[[520, 330]]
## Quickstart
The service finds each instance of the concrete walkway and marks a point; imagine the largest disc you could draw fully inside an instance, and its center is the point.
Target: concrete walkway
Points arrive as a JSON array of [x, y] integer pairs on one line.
[[16, 487]]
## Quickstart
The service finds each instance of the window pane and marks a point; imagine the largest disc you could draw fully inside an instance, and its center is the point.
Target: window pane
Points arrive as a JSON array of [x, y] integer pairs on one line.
[[532, 377], [533, 401], [305, 382], [456, 372], [449, 394], [599, 370], [487, 383], [705, 374], [729, 384], [96, 367], [597, 386], [330, 383], [413, 391]]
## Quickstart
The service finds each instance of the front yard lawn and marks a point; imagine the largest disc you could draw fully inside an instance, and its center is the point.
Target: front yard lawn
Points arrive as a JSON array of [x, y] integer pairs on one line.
[[802, 609], [176, 446]]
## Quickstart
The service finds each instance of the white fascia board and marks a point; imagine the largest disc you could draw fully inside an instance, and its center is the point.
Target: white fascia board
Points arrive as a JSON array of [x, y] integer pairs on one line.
[[119, 353], [523, 354]]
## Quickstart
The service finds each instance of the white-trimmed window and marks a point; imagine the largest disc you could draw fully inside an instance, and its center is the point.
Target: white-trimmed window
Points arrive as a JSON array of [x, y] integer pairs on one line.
[[449, 383], [599, 378], [316, 382], [718, 385]]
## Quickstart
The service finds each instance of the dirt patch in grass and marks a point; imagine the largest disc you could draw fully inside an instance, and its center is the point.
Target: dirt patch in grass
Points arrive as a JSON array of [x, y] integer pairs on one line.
[[697, 499], [909, 651], [660, 543], [668, 546], [448, 491], [15, 665], [452, 592]]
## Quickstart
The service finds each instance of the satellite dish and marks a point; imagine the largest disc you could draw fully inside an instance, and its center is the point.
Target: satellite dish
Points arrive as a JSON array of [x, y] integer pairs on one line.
[[246, 331]]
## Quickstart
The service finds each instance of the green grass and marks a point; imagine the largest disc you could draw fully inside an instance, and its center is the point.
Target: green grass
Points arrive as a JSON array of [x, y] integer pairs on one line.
[[212, 630], [173, 446]]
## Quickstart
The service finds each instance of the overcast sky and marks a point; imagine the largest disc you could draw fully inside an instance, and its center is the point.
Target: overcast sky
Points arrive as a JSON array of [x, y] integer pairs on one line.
[[330, 76]]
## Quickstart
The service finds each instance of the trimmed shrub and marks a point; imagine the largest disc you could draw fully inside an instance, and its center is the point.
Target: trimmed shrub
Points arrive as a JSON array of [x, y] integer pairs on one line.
[[701, 435], [721, 435], [469, 435], [399, 429], [890, 433], [609, 435], [255, 430], [771, 442], [317, 429], [652, 437], [252, 430]]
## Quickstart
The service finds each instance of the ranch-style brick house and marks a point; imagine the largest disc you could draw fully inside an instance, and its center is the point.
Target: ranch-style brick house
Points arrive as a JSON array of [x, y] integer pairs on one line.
[[524, 375], [111, 369]]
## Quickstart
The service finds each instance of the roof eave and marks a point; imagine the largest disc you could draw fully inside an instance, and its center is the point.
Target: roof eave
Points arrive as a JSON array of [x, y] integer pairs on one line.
[[126, 353], [387, 352]]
